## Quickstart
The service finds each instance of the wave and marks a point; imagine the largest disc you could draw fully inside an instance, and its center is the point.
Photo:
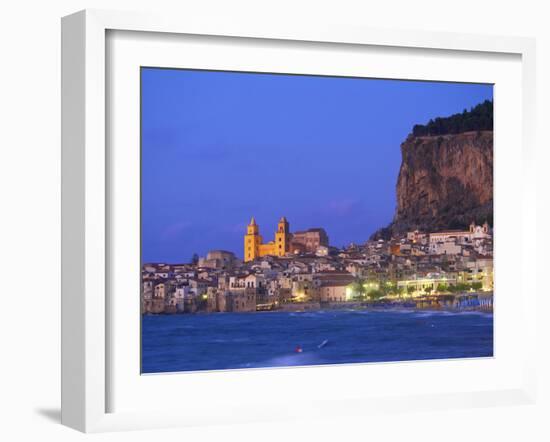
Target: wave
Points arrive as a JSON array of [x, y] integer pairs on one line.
[[307, 314], [476, 313], [234, 340], [429, 314], [397, 310], [289, 360], [432, 313]]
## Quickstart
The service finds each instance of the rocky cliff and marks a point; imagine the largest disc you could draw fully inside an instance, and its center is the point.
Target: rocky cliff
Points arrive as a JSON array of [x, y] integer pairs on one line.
[[444, 182]]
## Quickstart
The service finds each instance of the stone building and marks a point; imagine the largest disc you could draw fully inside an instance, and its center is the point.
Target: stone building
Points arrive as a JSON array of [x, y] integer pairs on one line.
[[334, 286], [153, 306], [307, 241], [244, 301], [147, 288], [253, 241], [218, 259], [161, 289], [461, 236], [157, 302], [333, 291]]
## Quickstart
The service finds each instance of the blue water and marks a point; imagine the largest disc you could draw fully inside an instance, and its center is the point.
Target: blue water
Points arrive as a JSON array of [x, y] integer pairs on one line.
[[269, 339]]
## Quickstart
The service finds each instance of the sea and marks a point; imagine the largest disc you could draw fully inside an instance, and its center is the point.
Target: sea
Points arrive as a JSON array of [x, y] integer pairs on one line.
[[221, 341]]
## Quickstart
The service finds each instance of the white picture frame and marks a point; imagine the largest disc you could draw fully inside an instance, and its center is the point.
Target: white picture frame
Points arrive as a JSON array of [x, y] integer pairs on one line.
[[86, 205]]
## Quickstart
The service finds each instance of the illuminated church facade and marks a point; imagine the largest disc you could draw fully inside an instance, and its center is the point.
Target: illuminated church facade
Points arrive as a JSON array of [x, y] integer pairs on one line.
[[285, 242]]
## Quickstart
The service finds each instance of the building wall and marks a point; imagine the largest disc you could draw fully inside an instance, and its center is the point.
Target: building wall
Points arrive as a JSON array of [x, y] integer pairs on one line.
[[424, 283], [161, 290], [475, 232], [334, 293], [241, 301], [269, 248], [308, 241], [153, 306], [217, 259], [147, 287], [445, 248], [305, 291], [221, 304]]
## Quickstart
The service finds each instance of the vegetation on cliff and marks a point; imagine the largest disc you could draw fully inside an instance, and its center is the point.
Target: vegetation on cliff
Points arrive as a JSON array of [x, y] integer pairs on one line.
[[477, 118]]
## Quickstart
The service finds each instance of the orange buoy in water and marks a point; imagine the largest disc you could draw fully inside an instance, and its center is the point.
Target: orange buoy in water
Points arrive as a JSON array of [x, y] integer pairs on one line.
[[298, 349]]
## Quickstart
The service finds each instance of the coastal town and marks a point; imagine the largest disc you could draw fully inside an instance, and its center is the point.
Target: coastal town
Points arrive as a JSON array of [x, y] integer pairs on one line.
[[299, 271]]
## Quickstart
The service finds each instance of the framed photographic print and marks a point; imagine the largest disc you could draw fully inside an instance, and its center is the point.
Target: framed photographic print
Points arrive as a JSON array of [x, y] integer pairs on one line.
[[252, 213], [261, 147]]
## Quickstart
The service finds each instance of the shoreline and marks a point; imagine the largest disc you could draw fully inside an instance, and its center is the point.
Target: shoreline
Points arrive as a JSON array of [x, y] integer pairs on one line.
[[443, 303], [348, 309]]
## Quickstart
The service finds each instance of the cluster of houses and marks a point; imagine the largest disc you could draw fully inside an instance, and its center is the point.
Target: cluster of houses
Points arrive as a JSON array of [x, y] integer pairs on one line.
[[414, 265]]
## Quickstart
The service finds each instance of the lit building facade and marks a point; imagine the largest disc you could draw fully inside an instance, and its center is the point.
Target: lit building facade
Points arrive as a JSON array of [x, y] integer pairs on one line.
[[253, 242], [308, 241], [475, 232]]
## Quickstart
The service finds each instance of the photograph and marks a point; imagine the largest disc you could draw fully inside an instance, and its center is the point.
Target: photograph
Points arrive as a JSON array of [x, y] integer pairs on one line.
[[292, 220]]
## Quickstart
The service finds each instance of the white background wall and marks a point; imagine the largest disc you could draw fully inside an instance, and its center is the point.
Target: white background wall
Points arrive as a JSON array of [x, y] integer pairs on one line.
[[30, 215]]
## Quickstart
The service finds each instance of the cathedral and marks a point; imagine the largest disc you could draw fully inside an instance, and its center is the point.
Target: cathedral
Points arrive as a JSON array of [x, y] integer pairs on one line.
[[285, 242]]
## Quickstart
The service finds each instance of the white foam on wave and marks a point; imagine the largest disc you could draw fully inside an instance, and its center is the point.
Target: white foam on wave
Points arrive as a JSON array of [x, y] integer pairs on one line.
[[476, 313], [429, 314], [432, 313], [233, 340], [288, 360], [361, 312], [398, 310], [306, 314]]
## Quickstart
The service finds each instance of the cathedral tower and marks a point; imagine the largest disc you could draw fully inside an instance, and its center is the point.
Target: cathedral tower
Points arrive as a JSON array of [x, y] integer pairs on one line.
[[252, 241], [282, 237]]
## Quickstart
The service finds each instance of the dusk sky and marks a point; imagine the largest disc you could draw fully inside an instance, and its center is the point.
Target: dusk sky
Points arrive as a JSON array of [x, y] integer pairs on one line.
[[221, 147]]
